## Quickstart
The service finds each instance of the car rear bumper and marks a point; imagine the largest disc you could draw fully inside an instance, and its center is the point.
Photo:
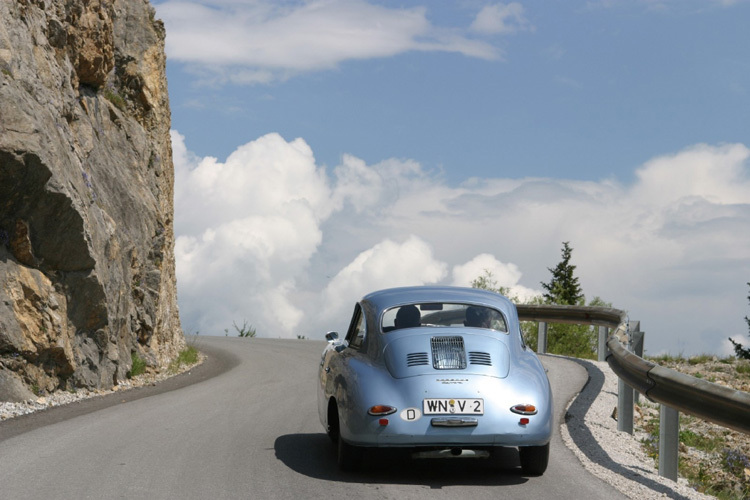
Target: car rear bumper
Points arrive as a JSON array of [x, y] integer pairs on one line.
[[393, 431]]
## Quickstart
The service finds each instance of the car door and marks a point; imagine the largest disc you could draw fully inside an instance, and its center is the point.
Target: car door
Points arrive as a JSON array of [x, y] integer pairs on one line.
[[351, 359], [335, 366]]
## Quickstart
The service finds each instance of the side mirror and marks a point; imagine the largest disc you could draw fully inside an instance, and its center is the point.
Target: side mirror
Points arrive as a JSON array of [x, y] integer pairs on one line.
[[332, 336]]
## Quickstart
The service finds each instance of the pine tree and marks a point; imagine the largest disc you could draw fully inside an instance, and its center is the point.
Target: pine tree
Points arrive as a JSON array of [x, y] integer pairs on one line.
[[563, 288]]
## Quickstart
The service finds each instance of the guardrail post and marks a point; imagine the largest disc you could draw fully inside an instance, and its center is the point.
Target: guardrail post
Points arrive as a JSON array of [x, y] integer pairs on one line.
[[624, 407], [669, 441], [625, 398], [541, 344], [603, 331], [636, 341]]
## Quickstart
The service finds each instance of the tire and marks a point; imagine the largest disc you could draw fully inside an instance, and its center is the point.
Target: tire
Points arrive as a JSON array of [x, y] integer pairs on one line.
[[534, 459], [349, 456], [333, 422]]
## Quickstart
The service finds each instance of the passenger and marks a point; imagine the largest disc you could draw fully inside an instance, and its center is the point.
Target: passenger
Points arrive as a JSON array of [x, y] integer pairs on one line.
[[408, 317], [477, 317]]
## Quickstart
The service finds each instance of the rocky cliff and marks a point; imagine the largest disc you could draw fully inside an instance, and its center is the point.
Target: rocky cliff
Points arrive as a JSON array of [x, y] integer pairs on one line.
[[87, 272]]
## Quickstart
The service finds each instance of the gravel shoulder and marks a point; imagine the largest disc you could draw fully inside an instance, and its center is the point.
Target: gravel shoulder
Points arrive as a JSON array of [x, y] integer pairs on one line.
[[617, 458]]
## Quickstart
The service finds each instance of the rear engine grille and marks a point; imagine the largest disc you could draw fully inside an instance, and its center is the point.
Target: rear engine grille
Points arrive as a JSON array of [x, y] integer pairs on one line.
[[480, 358], [448, 353], [417, 359]]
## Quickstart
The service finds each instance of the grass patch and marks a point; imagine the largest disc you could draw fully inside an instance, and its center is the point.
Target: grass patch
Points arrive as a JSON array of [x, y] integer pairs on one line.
[[114, 98], [697, 478], [666, 358], [700, 359], [187, 357], [706, 443], [138, 366]]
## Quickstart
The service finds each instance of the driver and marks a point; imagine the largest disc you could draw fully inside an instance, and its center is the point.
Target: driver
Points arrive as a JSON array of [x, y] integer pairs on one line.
[[478, 317], [408, 317]]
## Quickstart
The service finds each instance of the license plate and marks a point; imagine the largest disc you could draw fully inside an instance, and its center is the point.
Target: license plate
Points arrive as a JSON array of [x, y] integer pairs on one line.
[[448, 406]]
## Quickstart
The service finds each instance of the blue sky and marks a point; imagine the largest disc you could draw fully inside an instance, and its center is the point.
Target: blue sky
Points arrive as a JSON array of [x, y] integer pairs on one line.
[[587, 90], [348, 138]]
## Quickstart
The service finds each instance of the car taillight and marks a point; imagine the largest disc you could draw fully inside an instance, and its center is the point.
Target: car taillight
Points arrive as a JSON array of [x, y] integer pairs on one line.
[[524, 409], [381, 410]]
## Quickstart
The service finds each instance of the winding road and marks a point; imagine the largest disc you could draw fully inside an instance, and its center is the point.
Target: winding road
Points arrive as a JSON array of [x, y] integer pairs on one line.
[[245, 425]]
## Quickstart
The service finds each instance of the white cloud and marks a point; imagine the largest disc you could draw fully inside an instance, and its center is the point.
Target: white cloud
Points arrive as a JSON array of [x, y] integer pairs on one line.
[[258, 42], [247, 225], [506, 275], [270, 237], [716, 174], [388, 264], [501, 19]]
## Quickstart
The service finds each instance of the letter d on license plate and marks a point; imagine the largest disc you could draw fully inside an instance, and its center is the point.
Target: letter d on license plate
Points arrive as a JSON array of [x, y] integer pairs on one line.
[[448, 406]]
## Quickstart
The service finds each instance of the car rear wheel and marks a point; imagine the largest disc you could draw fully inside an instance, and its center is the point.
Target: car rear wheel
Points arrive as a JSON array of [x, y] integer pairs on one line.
[[333, 421], [349, 457], [534, 459]]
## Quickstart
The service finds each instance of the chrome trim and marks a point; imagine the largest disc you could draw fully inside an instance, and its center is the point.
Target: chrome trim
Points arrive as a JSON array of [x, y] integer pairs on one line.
[[454, 422], [523, 412]]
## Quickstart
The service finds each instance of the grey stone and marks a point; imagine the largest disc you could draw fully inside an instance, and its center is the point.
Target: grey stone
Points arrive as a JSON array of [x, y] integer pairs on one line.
[[12, 389], [86, 186]]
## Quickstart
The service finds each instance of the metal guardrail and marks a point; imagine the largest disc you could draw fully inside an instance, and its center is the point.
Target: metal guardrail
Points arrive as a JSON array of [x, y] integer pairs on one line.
[[712, 402]]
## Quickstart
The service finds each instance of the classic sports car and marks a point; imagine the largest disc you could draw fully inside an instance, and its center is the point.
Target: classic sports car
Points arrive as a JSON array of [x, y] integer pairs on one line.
[[443, 371]]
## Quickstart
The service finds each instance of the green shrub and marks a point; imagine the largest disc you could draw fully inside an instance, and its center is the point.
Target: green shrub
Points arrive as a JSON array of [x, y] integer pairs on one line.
[[579, 341], [245, 331]]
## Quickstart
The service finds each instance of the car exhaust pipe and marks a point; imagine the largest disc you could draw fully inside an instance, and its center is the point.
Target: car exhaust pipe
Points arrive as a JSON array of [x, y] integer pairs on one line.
[[452, 453]]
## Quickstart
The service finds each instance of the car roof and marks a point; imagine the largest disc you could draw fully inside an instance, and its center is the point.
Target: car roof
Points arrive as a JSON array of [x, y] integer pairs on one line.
[[391, 297]]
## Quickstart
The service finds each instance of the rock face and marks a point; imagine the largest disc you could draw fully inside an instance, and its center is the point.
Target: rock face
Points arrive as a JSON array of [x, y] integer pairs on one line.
[[87, 272]]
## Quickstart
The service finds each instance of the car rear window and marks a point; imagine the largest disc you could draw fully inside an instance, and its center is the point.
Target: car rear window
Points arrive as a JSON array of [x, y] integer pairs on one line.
[[437, 315]]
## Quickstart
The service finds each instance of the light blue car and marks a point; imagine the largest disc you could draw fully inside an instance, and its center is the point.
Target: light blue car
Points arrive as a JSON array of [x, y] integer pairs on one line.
[[443, 371]]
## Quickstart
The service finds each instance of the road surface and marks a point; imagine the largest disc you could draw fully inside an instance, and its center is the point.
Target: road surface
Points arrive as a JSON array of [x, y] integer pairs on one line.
[[245, 425]]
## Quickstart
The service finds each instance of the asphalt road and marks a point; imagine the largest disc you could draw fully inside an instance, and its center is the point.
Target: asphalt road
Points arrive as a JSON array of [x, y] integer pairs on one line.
[[245, 425]]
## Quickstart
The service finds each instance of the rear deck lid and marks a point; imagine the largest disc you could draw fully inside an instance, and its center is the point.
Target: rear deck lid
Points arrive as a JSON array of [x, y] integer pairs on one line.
[[432, 353]]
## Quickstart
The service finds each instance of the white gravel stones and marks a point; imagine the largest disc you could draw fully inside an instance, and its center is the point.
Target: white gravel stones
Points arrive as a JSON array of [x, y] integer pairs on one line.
[[613, 456], [10, 410]]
